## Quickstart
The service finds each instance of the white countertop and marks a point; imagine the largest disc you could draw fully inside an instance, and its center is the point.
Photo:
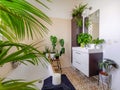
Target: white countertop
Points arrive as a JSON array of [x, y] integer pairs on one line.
[[87, 50]]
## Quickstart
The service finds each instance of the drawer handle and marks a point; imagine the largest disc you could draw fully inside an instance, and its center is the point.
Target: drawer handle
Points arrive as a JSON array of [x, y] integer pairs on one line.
[[78, 62], [78, 53]]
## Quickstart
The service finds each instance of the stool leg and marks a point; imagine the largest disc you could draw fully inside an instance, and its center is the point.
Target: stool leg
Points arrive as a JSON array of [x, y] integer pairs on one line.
[[60, 67]]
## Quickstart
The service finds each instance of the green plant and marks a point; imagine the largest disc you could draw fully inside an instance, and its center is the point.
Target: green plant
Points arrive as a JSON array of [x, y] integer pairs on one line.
[[108, 64], [77, 14], [84, 39], [20, 19], [62, 51], [17, 85], [53, 40], [78, 10], [47, 50], [98, 41], [17, 19], [57, 55]]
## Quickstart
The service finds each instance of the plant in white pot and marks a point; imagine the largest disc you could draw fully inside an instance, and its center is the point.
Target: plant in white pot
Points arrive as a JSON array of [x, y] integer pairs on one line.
[[105, 70], [84, 39], [53, 40], [98, 43], [47, 52]]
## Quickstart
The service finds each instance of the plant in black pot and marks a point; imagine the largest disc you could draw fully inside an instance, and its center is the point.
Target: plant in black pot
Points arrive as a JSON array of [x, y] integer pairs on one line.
[[57, 55], [53, 40], [62, 50], [83, 39]]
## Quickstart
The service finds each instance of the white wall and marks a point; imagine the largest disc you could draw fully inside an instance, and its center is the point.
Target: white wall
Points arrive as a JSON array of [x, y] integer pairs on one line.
[[57, 8], [110, 31]]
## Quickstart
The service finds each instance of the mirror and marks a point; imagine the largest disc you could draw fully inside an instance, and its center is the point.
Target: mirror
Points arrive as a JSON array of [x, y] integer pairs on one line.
[[93, 28]]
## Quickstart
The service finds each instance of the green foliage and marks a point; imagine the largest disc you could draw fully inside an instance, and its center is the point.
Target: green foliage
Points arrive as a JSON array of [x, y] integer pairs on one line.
[[77, 14], [79, 21], [98, 41], [54, 43], [19, 18], [61, 41], [84, 38], [17, 85], [62, 51], [87, 22], [57, 55], [53, 40], [22, 52], [78, 10], [47, 50], [107, 65]]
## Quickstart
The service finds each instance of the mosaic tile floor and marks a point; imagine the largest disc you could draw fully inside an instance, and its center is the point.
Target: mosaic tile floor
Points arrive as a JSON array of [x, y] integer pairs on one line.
[[82, 82]]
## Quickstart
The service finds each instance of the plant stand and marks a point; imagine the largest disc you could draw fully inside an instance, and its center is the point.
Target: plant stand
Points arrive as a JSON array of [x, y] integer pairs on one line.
[[58, 64], [105, 80]]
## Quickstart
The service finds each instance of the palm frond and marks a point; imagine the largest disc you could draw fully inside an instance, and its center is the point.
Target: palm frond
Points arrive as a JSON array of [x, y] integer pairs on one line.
[[17, 85], [22, 18], [25, 53]]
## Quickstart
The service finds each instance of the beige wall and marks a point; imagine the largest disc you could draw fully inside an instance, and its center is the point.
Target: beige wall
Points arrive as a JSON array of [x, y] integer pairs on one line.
[[62, 29], [5, 69]]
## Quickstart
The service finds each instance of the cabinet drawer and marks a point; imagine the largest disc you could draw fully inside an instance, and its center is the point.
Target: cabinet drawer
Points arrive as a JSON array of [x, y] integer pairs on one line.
[[76, 54], [76, 64], [84, 69]]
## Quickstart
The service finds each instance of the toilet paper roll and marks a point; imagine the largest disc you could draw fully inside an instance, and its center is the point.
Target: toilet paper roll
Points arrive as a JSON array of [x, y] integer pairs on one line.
[[56, 79]]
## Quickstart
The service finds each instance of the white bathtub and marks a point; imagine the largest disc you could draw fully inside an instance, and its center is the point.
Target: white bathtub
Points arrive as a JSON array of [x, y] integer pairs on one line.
[[30, 72]]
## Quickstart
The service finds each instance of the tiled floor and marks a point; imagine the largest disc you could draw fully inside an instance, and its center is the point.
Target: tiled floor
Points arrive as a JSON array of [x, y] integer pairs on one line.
[[82, 82]]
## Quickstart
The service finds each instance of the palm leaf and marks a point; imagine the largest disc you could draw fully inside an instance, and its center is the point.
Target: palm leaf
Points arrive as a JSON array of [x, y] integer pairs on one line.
[[25, 53], [17, 85], [22, 18]]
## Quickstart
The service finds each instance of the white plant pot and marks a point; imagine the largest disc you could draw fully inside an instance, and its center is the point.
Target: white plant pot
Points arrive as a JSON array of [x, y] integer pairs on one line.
[[105, 79], [47, 55], [91, 46], [99, 46], [56, 79], [52, 56]]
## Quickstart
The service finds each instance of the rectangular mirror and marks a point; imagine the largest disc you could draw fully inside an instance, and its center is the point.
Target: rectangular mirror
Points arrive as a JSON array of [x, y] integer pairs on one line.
[[93, 28]]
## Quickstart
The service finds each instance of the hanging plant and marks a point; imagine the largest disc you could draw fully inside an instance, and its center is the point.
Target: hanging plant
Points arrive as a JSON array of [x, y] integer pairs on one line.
[[77, 15]]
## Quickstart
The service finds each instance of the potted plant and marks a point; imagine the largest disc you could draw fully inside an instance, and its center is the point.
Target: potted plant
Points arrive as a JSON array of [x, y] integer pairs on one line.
[[47, 52], [77, 15], [57, 55], [62, 49], [98, 42], [105, 70], [83, 39], [53, 40]]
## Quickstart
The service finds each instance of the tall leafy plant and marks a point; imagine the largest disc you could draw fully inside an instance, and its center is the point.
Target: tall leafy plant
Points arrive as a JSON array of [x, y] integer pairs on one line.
[[53, 40], [20, 19], [77, 14], [62, 51]]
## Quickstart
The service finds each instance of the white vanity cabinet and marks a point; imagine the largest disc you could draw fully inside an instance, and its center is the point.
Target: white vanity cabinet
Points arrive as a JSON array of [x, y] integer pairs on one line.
[[86, 60]]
